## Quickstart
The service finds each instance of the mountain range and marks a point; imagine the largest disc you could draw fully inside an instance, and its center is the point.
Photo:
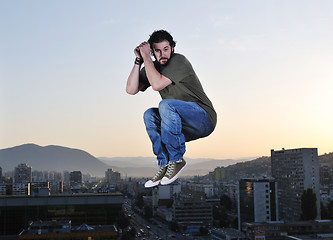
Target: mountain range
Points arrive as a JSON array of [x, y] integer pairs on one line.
[[58, 158], [52, 158]]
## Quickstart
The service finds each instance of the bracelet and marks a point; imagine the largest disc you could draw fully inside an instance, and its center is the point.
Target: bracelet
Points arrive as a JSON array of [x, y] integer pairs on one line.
[[138, 61]]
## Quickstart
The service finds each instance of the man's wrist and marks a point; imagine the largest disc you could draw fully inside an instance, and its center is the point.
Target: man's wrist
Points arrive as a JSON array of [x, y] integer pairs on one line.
[[138, 61]]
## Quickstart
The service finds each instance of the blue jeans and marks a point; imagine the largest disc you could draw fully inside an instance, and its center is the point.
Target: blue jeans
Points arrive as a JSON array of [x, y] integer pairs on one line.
[[172, 124]]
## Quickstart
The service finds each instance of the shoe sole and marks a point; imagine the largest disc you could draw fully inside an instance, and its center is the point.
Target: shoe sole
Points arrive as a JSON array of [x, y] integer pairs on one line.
[[168, 181], [154, 184]]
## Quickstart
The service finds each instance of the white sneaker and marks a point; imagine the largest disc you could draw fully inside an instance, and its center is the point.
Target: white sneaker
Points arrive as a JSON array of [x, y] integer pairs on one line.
[[154, 181], [173, 171]]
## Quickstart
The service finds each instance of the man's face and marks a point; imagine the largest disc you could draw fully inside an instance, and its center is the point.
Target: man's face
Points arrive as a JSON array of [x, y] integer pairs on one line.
[[162, 52]]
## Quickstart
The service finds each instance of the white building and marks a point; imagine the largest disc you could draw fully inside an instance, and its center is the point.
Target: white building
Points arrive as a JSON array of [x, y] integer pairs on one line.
[[167, 191], [295, 170], [257, 200]]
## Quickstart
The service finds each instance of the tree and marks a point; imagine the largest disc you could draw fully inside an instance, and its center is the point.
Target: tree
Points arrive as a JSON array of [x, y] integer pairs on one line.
[[220, 214], [330, 210], [308, 205], [226, 202]]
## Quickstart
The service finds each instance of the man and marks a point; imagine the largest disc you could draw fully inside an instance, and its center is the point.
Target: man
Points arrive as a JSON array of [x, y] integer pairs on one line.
[[185, 112]]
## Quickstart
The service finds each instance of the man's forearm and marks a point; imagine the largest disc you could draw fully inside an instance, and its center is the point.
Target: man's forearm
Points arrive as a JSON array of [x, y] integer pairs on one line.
[[156, 80], [133, 85]]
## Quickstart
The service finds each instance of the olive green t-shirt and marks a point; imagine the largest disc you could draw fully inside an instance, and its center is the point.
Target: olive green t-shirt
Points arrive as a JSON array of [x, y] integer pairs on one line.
[[185, 84]]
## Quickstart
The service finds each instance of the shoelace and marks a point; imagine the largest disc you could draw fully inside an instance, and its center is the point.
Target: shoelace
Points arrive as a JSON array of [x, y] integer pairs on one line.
[[158, 173], [171, 166]]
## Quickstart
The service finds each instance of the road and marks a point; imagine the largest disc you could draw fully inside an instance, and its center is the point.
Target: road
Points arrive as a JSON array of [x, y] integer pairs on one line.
[[152, 230]]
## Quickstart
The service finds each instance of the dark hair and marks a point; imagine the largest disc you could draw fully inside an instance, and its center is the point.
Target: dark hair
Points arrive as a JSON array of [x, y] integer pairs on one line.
[[159, 36]]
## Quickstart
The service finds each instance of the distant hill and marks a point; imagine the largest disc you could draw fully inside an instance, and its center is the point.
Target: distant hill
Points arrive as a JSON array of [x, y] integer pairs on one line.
[[54, 158], [261, 167], [326, 158], [59, 158]]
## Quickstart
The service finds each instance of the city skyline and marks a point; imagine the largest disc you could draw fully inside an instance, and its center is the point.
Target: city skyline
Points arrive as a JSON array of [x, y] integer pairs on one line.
[[266, 66], [210, 202]]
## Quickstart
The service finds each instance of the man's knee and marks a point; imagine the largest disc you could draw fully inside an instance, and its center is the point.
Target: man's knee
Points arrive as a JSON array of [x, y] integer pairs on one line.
[[166, 105], [149, 115]]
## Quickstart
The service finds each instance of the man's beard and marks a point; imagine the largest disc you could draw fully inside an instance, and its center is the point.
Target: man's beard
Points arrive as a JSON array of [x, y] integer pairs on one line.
[[165, 61]]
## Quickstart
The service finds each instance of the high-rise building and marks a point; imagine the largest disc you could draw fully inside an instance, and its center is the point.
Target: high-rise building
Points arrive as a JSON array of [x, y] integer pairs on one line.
[[23, 173], [67, 180], [219, 174], [192, 210], [112, 176], [257, 200], [231, 190], [76, 179], [326, 183], [295, 170]]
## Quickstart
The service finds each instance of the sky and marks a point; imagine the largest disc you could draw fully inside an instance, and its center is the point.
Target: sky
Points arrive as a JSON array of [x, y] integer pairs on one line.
[[267, 66]]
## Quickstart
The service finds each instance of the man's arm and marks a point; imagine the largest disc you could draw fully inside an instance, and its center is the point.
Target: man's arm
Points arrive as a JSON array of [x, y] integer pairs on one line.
[[156, 80], [133, 84]]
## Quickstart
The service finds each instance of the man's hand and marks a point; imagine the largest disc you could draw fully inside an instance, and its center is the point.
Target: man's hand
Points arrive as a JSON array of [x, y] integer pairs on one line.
[[144, 49], [137, 52]]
